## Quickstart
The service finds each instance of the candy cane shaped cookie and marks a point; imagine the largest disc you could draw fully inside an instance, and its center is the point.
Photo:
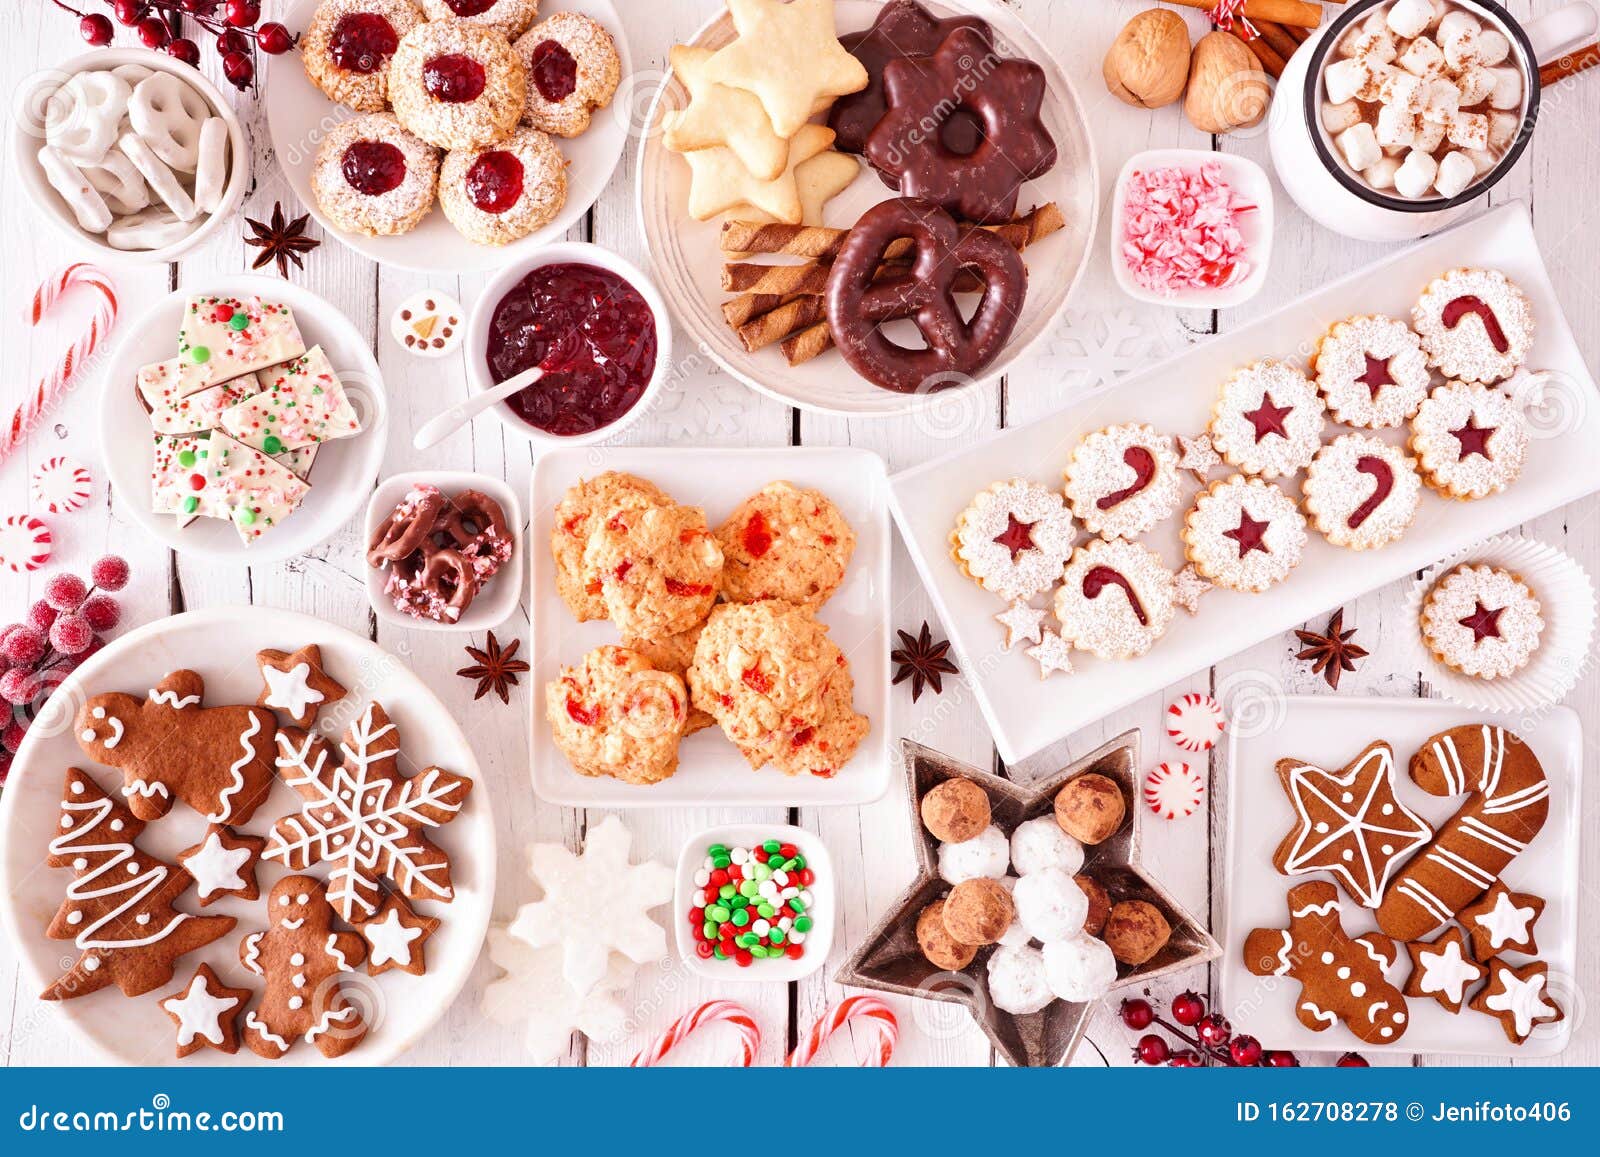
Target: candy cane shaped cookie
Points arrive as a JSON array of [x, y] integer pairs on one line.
[[1509, 802], [711, 1012], [864, 1008]]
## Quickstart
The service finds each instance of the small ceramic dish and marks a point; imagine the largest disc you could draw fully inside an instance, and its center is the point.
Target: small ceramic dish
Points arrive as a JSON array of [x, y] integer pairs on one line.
[[818, 942], [33, 95], [1246, 178], [565, 252], [498, 598]]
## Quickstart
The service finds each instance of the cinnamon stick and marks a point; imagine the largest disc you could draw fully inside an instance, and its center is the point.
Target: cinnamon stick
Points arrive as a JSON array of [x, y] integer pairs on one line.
[[1278, 38], [1301, 35], [1571, 64], [1301, 12], [1272, 62]]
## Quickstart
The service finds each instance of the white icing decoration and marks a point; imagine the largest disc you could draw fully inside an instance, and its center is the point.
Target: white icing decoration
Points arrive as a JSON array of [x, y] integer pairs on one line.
[[172, 699], [297, 960], [1447, 971], [291, 925], [288, 690], [296, 1002], [236, 769], [199, 1013], [266, 1034], [145, 788], [1505, 922], [251, 958], [327, 1020], [1320, 1014], [1522, 999], [216, 868], [337, 956], [390, 939]]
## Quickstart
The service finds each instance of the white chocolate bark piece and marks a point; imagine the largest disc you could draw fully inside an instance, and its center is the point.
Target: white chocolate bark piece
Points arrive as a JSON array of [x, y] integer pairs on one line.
[[230, 336], [250, 488], [301, 403], [178, 477], [175, 408]]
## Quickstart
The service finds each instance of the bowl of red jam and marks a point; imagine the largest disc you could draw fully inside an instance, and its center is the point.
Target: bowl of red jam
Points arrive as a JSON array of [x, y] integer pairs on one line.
[[596, 325]]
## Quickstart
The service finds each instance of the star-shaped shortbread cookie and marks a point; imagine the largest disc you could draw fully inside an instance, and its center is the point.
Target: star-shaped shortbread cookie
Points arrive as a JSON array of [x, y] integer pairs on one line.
[[789, 56], [719, 181], [721, 117]]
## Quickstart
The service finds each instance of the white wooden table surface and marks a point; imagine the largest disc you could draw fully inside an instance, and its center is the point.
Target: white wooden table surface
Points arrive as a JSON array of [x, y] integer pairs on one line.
[[1105, 336]]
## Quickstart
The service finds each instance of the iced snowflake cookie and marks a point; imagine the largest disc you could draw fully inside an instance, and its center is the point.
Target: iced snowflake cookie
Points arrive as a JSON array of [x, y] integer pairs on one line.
[[784, 543], [1122, 480], [457, 85], [583, 509], [1481, 621], [374, 178], [1360, 492], [673, 654], [1268, 419], [1371, 371], [573, 69], [1244, 534], [617, 716], [1014, 538], [659, 569], [1475, 324], [497, 195], [347, 48], [510, 17], [1115, 599], [1469, 440]]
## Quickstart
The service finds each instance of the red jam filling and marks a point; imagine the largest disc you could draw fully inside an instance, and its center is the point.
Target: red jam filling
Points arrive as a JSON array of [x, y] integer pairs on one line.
[[454, 78], [1376, 375], [1383, 479], [1268, 418], [1016, 537], [1483, 623], [756, 536], [494, 182], [464, 8], [1101, 577], [1249, 534], [680, 589], [1474, 440], [555, 73], [591, 331], [361, 42], [588, 716], [1455, 310], [373, 168], [1143, 464]]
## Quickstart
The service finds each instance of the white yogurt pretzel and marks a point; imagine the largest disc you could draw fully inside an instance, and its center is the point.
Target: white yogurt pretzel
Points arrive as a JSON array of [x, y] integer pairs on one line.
[[88, 207], [82, 116], [162, 180], [167, 115]]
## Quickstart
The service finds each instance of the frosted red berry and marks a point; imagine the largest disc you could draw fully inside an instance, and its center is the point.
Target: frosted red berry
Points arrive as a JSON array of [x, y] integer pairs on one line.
[[42, 614], [1245, 1050], [25, 645], [1187, 1059], [65, 591], [102, 612], [18, 686], [11, 738], [110, 573], [71, 634], [1280, 1059], [1214, 1029]]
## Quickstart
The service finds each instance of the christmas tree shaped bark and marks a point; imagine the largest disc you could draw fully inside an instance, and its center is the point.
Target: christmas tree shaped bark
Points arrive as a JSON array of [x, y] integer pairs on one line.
[[119, 910]]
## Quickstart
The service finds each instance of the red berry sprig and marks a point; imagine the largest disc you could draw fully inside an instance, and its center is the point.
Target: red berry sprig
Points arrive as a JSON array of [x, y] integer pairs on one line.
[[235, 24], [1211, 1039]]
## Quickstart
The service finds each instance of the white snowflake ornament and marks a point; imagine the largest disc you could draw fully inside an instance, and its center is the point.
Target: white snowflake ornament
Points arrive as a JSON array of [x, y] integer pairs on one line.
[[534, 989], [595, 903]]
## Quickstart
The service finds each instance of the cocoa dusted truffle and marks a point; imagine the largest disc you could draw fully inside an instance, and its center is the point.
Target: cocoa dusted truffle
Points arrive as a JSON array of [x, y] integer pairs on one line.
[[1099, 904], [978, 911], [942, 949], [1135, 931], [1090, 808], [956, 811]]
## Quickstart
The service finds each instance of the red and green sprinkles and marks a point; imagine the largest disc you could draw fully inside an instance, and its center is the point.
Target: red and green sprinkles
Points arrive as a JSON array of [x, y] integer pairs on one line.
[[752, 904]]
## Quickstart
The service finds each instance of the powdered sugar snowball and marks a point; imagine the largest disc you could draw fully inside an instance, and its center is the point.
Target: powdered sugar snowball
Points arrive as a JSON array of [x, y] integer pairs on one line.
[[1017, 982], [987, 854], [1183, 229], [1040, 843], [1080, 969], [1050, 905]]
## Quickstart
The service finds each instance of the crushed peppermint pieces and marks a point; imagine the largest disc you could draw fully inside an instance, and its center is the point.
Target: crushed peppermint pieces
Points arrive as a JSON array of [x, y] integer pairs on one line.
[[752, 903], [1183, 229]]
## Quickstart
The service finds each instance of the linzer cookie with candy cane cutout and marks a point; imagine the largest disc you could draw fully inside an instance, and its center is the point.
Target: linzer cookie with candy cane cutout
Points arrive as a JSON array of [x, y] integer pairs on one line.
[[1123, 480], [1244, 534], [1476, 325], [1482, 621], [1268, 419], [1371, 371], [1014, 539], [1469, 440], [1115, 599], [1360, 492]]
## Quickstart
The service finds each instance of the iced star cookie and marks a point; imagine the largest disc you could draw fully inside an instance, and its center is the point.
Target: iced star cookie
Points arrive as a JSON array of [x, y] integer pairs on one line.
[[175, 406], [1244, 534], [1469, 440], [457, 85], [295, 683], [206, 1013], [1115, 599], [1014, 539], [1519, 998], [573, 68], [1267, 420], [1371, 371], [1481, 621], [347, 47], [227, 337], [1502, 921], [396, 937], [374, 178], [1443, 968], [659, 569], [1360, 492], [1475, 324], [224, 864], [301, 403], [784, 543], [583, 509], [673, 654], [1123, 480]]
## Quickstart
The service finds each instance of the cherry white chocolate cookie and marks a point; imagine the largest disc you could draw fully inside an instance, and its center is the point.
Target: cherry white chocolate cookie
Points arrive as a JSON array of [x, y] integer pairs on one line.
[[498, 194], [584, 509], [457, 85], [1469, 440], [1244, 534], [1014, 539], [659, 569], [1268, 419], [573, 68], [1481, 621], [1371, 371], [347, 47], [374, 178], [784, 543], [1360, 492], [1115, 599], [1476, 325], [615, 715], [1123, 480]]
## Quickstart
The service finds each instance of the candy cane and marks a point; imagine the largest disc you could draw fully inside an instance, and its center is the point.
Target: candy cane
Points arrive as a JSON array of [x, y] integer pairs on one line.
[[867, 1008], [1228, 13], [712, 1012], [50, 389]]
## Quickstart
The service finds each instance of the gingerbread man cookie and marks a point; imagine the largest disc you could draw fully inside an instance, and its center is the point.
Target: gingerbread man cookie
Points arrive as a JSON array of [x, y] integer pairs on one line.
[[224, 864], [218, 760], [206, 1012], [301, 957], [296, 684]]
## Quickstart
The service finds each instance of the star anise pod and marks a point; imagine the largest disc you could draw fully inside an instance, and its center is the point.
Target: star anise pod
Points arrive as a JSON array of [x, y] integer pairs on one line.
[[922, 661], [1331, 653], [495, 669], [280, 240]]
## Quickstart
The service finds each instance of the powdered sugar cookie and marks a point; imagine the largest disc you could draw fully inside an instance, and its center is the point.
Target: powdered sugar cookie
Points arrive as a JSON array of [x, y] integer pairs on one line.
[[510, 17], [1443, 968], [1469, 440], [1187, 587], [1122, 480], [347, 47], [1371, 371], [1481, 621], [1022, 622], [496, 195], [1173, 790], [1360, 492], [1053, 654], [373, 177], [1195, 722], [1475, 324], [457, 85], [1014, 539], [1115, 599], [1244, 534], [573, 69], [1268, 419], [62, 485]]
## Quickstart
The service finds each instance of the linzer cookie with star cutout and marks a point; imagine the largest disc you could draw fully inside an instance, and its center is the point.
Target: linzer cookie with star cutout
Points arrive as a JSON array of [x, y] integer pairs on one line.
[[1476, 325], [1371, 371], [1115, 599], [1014, 539], [1268, 419], [1469, 440], [1123, 480], [1481, 621], [1360, 492], [1244, 534]]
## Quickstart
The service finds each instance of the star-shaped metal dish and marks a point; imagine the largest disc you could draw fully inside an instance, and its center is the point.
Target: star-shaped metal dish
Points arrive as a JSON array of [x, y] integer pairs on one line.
[[889, 959]]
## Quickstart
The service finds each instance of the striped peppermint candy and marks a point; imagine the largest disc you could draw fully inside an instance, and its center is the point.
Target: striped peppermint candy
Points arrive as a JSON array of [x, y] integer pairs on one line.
[[62, 485], [1195, 722], [1174, 790], [24, 543]]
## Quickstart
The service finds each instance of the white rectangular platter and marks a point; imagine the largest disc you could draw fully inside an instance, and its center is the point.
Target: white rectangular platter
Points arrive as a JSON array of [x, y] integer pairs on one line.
[[711, 771], [1027, 713], [1330, 731]]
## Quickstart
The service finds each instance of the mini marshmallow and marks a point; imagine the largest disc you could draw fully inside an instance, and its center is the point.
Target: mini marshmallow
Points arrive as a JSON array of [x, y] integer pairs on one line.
[[1482, 160], [82, 116], [1396, 150], [1408, 18], [116, 179], [1403, 92], [1507, 90], [1380, 175], [167, 114], [1493, 47], [154, 228], [1338, 117], [1461, 52], [1469, 130], [1456, 172], [1422, 58], [1476, 83], [1441, 9], [211, 165], [1440, 100], [1415, 176], [93, 215], [1343, 79], [1395, 126], [1017, 981], [1503, 129], [161, 179], [1374, 45], [985, 854], [1377, 74], [1359, 146], [1458, 22]]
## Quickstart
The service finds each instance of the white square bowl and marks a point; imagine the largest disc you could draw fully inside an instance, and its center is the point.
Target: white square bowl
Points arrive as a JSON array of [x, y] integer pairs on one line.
[[711, 771], [498, 598], [818, 942]]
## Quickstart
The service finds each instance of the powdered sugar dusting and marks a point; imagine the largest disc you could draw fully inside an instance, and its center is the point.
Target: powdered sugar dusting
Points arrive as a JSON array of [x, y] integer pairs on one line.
[[1023, 623], [1457, 595], [387, 213], [1461, 406], [1098, 469], [1182, 229], [1219, 509], [1466, 351], [1034, 568], [1341, 362], [1108, 624], [1187, 587], [1053, 654], [1336, 487], [1268, 383]]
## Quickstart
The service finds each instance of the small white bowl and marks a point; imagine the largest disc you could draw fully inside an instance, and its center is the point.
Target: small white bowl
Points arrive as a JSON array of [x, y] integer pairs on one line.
[[1247, 178], [818, 942], [28, 136], [498, 598], [580, 253]]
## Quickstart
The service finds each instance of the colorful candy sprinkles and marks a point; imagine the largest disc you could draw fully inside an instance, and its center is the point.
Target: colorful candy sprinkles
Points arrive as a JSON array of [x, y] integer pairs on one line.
[[752, 903]]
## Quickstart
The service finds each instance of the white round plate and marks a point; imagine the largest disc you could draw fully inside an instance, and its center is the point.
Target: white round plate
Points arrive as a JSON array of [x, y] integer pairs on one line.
[[341, 477], [688, 261], [137, 1031], [299, 116]]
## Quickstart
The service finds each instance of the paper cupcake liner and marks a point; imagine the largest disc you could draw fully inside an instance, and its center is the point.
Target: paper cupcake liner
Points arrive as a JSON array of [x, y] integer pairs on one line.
[[1567, 601]]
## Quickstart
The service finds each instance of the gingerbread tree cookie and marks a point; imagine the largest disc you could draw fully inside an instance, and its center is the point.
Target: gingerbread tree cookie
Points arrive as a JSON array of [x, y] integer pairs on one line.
[[206, 1012], [119, 910], [296, 684]]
